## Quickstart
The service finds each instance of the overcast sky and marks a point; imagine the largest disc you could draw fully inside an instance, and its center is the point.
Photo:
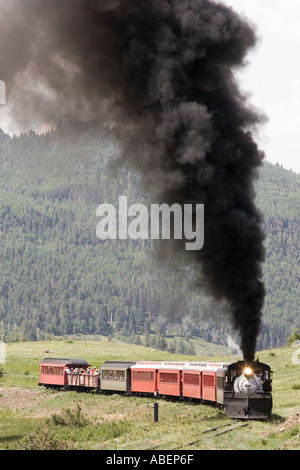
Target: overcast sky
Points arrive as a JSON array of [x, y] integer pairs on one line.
[[273, 76]]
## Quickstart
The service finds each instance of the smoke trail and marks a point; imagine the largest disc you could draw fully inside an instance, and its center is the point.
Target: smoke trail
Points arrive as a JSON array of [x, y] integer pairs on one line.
[[162, 71]]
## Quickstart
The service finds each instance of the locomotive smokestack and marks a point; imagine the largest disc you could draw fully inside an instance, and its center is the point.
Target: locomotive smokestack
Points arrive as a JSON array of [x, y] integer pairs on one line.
[[248, 360], [161, 71]]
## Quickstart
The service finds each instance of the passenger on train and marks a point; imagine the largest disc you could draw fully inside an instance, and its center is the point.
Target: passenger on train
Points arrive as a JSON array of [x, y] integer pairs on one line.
[[88, 371]]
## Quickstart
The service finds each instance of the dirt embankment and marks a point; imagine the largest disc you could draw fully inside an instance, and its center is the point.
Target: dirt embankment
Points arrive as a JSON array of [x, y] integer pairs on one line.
[[17, 398]]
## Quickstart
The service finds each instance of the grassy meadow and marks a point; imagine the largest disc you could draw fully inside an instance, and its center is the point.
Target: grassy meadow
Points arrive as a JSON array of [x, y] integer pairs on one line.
[[34, 418]]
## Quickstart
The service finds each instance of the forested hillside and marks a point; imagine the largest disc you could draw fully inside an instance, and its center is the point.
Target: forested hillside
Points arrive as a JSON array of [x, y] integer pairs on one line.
[[57, 277], [278, 196]]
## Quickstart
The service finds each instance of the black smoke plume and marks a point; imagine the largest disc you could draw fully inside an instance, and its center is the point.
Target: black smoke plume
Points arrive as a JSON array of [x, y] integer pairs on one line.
[[163, 73]]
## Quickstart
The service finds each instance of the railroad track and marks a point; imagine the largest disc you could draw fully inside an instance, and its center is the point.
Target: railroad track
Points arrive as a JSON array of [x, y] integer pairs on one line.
[[213, 435], [228, 427]]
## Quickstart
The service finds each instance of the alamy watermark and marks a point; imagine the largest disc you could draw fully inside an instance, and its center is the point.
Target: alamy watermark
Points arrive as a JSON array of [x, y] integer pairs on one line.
[[161, 222], [2, 92]]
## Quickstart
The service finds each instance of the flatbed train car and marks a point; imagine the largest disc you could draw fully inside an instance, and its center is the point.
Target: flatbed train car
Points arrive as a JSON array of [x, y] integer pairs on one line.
[[243, 390]]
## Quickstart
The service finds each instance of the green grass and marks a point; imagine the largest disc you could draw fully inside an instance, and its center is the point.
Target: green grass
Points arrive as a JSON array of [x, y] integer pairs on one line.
[[32, 417]]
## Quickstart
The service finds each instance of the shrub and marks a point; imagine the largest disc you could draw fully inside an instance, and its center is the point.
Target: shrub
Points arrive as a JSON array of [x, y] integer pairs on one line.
[[72, 418], [43, 439]]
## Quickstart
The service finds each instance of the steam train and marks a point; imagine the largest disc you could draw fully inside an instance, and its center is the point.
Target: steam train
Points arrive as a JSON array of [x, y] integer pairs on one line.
[[242, 389]]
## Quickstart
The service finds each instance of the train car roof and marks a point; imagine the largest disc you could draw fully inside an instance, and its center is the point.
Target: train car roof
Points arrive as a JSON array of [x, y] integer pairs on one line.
[[209, 366], [116, 365], [71, 362], [158, 365], [144, 366]]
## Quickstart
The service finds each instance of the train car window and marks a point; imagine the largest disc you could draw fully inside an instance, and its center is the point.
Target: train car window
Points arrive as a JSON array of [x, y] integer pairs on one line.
[[52, 370], [267, 375], [113, 374], [168, 377], [191, 379], [143, 375], [232, 375], [220, 382], [208, 380]]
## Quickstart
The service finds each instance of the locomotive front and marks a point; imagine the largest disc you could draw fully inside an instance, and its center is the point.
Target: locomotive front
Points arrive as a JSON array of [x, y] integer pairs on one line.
[[248, 391]]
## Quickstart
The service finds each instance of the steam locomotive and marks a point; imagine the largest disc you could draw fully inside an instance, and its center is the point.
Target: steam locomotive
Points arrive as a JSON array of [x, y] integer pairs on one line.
[[242, 389]]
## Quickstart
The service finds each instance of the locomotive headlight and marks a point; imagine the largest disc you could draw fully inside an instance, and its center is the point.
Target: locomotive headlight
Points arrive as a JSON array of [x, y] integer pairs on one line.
[[248, 371]]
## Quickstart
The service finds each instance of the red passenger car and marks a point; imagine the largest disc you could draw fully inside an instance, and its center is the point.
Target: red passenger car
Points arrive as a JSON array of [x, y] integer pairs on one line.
[[163, 378], [192, 382], [180, 379], [199, 380], [209, 392], [144, 378], [169, 380], [53, 371]]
